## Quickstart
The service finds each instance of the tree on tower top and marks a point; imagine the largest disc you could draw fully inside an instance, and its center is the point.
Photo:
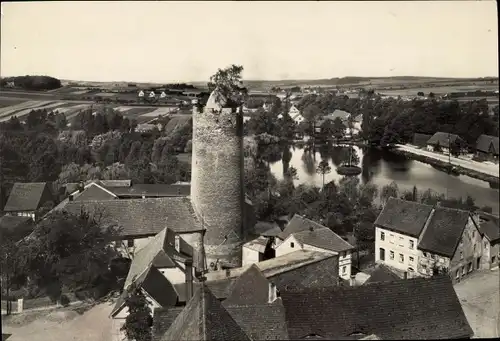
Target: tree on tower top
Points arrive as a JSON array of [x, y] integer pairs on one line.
[[229, 86]]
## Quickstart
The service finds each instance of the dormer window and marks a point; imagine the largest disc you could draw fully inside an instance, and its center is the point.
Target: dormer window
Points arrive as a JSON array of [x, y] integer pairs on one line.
[[292, 245]]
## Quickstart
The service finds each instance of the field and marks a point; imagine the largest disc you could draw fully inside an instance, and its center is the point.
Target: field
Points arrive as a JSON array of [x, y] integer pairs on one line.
[[17, 106]]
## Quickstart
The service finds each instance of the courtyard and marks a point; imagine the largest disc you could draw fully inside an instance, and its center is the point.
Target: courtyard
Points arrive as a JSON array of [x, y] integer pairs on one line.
[[479, 295]]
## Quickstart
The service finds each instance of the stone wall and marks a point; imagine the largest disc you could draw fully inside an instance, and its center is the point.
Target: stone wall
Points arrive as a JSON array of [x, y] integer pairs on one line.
[[217, 191]]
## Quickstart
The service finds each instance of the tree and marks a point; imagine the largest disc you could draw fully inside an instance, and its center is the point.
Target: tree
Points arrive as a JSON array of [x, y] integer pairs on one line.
[[311, 113], [388, 191], [338, 128], [323, 169], [69, 251], [228, 81], [139, 321]]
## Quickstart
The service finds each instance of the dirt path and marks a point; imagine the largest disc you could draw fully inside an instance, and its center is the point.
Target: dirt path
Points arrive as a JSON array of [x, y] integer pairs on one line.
[[480, 298], [67, 324]]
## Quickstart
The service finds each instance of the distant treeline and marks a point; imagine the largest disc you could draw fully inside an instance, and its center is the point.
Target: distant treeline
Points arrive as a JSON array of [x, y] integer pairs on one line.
[[179, 86], [31, 82]]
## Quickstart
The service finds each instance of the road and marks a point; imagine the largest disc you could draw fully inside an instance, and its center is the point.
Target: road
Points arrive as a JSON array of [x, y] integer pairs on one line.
[[485, 168], [480, 298]]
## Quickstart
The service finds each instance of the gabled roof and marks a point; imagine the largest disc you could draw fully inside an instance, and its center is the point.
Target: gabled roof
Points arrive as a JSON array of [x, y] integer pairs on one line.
[[25, 196], [445, 229], [343, 115], [141, 217], [216, 101], [323, 238], [150, 254], [490, 227], [16, 226], [443, 139], [152, 190], [252, 287], [382, 273], [259, 244], [406, 309], [204, 318], [485, 141], [155, 285], [115, 183], [403, 216], [262, 321], [266, 229], [163, 319], [298, 224]]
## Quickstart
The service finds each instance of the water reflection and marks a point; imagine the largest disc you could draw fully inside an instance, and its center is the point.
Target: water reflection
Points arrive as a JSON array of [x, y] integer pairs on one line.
[[379, 168]]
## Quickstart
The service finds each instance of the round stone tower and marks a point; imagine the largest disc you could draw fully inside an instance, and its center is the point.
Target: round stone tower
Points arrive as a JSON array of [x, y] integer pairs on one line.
[[217, 189]]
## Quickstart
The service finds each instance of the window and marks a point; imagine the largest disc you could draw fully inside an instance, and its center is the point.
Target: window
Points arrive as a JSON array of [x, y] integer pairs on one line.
[[474, 247], [463, 270], [411, 259], [461, 255], [382, 254], [344, 270], [412, 244], [401, 258], [382, 236], [473, 234], [292, 245], [410, 269], [391, 255], [392, 238], [425, 254], [457, 274], [485, 245], [130, 243], [400, 238]]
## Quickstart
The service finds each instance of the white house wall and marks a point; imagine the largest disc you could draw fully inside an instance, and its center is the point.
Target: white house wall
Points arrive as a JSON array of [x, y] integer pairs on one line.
[[399, 244], [249, 256], [286, 246], [174, 275]]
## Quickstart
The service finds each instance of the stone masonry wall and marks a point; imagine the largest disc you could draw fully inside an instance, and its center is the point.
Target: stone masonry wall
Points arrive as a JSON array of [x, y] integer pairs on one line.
[[217, 191]]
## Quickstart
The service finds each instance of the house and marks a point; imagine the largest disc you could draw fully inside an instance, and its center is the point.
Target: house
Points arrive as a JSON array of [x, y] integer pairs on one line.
[[257, 250], [295, 114], [487, 147], [304, 234], [253, 305], [419, 308], [26, 199], [343, 115], [443, 141], [420, 140], [156, 270], [142, 219], [421, 240], [145, 127], [490, 228]]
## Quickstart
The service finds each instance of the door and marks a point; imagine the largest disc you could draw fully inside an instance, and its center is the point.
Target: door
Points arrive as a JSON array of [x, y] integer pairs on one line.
[[382, 254]]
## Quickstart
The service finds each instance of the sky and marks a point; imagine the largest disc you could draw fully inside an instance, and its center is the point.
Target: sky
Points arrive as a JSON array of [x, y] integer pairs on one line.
[[188, 41]]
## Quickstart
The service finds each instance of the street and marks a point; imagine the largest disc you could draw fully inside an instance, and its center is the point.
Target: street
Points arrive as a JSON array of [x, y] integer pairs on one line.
[[479, 295], [486, 168]]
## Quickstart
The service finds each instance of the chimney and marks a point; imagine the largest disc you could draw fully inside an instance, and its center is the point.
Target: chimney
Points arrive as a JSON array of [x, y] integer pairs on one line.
[[405, 276], [352, 280], [177, 244], [189, 278], [272, 293], [70, 198]]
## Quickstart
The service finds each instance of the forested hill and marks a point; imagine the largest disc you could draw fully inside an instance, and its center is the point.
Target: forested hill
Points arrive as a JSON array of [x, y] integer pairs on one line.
[[39, 83]]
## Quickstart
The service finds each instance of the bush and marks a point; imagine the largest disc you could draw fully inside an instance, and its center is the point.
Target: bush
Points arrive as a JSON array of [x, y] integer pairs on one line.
[[64, 300]]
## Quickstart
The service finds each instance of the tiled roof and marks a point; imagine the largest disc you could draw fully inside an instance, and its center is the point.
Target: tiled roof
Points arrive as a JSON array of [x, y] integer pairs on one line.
[[299, 224], [252, 287], [152, 190], [406, 309], [421, 139], [114, 183], [324, 239], [204, 318], [444, 231], [156, 285], [25, 196], [382, 274], [485, 141], [163, 319], [139, 217], [261, 322], [491, 229], [16, 226], [259, 244], [266, 229], [402, 216], [443, 139]]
